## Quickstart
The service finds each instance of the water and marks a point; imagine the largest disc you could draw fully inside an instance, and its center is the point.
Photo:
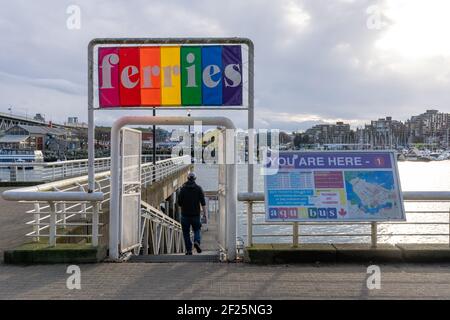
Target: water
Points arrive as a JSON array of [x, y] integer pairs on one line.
[[414, 176]]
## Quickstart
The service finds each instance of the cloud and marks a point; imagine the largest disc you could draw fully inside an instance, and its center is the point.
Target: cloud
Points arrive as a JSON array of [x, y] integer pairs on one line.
[[315, 60]]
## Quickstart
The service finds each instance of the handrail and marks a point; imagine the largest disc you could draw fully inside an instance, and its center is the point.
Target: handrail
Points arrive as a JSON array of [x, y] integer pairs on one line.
[[58, 163], [53, 171], [13, 195], [169, 239], [159, 214], [407, 195], [49, 187], [411, 196]]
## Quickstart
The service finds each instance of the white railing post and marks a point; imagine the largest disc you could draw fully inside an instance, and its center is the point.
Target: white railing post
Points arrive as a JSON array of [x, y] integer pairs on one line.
[[146, 237], [52, 227], [249, 223], [94, 223], [37, 219], [295, 234], [24, 174], [62, 209], [83, 204], [13, 177], [374, 234]]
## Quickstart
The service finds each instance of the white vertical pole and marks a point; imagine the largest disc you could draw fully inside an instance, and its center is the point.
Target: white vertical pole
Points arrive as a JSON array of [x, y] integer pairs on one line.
[[91, 124], [114, 211], [251, 115], [83, 205], [231, 194], [295, 234], [374, 234], [52, 228], [249, 223], [37, 218], [146, 234], [94, 223]]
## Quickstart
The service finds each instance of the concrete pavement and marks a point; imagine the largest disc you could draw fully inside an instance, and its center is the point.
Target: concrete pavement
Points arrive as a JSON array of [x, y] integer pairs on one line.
[[225, 281]]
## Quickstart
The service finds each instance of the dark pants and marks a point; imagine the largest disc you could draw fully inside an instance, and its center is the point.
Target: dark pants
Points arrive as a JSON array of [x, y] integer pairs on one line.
[[186, 223]]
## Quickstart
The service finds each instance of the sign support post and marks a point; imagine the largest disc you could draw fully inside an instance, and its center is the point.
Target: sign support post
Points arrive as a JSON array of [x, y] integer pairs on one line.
[[234, 76]]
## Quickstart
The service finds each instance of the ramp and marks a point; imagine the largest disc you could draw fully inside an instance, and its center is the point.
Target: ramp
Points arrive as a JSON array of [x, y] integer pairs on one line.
[[210, 244]]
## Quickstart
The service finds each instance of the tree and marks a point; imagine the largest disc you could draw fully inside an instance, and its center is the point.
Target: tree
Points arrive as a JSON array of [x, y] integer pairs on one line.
[[300, 139], [285, 137]]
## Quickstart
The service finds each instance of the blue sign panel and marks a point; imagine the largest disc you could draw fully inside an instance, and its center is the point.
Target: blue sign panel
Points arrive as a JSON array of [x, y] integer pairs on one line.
[[212, 75], [330, 186]]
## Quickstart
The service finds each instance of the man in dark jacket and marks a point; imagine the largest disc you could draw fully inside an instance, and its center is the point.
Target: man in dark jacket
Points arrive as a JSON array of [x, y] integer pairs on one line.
[[190, 198]]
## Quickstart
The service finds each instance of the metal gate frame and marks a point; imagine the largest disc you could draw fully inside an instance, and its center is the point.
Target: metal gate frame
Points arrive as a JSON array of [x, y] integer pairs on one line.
[[231, 175], [130, 216]]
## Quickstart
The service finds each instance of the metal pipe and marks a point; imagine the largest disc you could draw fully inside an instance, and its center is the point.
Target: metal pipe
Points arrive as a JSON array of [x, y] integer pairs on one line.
[[249, 223], [91, 120], [37, 218], [295, 234], [251, 113], [52, 230], [17, 195], [95, 223], [373, 234], [154, 139], [114, 222]]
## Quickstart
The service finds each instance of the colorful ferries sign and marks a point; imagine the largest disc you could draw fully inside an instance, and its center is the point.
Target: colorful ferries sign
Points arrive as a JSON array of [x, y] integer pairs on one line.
[[332, 186], [184, 75]]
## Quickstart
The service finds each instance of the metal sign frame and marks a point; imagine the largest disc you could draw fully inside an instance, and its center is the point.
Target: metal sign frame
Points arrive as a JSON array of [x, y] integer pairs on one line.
[[393, 169], [169, 41]]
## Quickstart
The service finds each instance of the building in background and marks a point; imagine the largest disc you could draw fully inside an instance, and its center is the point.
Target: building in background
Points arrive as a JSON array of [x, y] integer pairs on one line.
[[430, 127], [339, 132]]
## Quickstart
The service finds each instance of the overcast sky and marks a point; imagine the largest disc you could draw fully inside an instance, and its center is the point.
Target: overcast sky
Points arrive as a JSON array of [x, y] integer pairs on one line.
[[315, 60]]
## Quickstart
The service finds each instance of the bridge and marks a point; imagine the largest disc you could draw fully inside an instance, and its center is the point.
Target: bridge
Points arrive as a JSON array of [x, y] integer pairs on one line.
[[8, 120]]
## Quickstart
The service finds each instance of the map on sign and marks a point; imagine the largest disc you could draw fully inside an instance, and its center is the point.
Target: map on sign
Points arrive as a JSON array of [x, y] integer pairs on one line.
[[330, 186]]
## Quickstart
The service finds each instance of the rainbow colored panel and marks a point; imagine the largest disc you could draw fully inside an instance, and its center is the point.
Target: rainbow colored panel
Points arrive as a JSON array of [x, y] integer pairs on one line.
[[158, 76]]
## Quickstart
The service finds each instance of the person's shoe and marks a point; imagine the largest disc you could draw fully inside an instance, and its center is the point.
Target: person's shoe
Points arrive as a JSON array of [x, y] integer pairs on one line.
[[197, 247], [189, 253]]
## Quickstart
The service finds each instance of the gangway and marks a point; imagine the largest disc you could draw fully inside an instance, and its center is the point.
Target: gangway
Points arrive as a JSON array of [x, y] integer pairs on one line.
[[162, 237]]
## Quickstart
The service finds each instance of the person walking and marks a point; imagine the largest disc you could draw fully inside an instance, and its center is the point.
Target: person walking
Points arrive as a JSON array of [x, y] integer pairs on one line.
[[190, 199]]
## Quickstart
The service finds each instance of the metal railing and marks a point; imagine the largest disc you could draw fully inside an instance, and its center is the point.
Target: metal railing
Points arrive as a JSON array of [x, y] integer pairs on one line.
[[61, 206], [53, 171], [160, 234], [427, 213]]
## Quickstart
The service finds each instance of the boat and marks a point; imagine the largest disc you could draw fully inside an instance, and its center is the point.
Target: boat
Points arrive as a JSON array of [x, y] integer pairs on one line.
[[21, 156]]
